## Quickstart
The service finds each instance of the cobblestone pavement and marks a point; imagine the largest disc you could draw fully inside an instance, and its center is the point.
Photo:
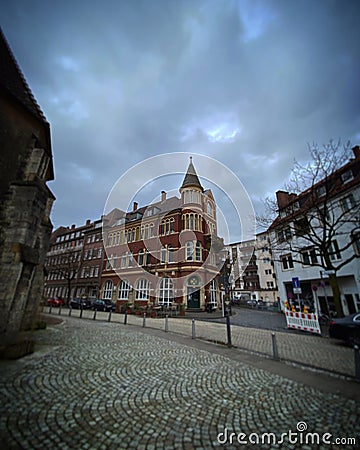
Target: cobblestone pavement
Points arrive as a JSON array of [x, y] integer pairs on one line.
[[299, 347], [101, 385]]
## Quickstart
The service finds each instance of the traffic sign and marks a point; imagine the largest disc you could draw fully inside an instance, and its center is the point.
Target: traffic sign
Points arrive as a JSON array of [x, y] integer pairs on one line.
[[296, 282]]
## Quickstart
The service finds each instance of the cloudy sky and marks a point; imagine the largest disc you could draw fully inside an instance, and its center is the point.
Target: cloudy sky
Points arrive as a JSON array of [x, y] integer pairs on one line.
[[248, 83]]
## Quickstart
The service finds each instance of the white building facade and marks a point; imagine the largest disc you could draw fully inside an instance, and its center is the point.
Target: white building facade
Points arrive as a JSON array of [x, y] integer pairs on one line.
[[301, 278]]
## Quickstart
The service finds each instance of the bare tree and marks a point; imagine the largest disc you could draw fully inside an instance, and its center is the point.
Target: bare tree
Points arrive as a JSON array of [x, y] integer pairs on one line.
[[318, 216], [66, 266]]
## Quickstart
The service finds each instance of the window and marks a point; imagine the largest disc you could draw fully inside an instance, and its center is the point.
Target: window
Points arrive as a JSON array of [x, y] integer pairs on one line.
[[348, 203], [210, 209], [213, 293], [198, 251], [334, 251], [189, 251], [193, 251], [124, 289], [284, 234], [108, 290], [347, 176], [192, 221], [167, 226], [166, 292], [287, 262], [269, 284], [141, 257], [163, 254], [309, 257], [321, 191], [143, 289], [131, 259], [123, 260], [170, 254], [357, 243], [302, 226], [191, 196]]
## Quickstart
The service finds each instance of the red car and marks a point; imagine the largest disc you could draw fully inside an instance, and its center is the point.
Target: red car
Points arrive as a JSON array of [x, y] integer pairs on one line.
[[55, 302]]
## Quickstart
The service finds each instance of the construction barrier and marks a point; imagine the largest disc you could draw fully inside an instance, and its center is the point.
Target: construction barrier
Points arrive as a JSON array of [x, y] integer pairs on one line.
[[303, 321]]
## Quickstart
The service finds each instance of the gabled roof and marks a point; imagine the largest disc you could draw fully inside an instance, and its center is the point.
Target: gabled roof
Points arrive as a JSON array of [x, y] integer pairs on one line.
[[13, 81], [191, 179]]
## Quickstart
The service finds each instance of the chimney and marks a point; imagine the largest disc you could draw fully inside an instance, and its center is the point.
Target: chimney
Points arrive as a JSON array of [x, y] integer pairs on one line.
[[88, 222], [73, 226], [356, 151], [135, 206], [163, 196], [282, 198]]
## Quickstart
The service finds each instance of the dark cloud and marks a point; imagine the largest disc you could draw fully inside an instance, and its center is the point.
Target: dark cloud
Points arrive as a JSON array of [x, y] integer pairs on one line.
[[246, 82]]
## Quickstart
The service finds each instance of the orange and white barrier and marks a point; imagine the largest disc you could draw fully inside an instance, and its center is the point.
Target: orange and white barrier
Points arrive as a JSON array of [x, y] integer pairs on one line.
[[303, 321]]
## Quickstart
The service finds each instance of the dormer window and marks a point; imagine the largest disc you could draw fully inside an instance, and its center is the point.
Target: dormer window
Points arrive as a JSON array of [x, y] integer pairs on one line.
[[321, 191], [347, 176]]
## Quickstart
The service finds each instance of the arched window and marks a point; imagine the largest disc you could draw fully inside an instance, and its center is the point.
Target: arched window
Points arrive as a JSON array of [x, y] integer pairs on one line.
[[189, 251], [210, 209], [110, 240], [124, 289], [141, 257], [166, 292], [108, 290], [142, 289]]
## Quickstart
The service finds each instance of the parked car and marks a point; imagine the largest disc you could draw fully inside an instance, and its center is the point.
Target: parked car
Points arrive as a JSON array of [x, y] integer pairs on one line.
[[99, 305], [109, 305], [55, 301], [346, 329], [80, 303]]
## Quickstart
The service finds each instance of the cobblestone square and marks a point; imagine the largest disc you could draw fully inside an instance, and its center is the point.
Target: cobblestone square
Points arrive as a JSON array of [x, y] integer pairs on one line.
[[100, 385]]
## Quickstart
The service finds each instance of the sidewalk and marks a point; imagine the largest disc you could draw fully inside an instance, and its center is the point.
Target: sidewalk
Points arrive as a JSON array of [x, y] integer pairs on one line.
[[304, 349]]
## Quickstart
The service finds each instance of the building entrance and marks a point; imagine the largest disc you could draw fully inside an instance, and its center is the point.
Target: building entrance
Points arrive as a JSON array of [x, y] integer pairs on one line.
[[193, 298]]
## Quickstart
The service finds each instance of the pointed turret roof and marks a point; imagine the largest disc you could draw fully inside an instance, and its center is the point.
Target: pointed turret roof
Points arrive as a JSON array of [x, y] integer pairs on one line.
[[13, 81], [191, 179]]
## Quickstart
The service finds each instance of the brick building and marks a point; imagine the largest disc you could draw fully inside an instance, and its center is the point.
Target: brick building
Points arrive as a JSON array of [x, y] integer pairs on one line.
[[74, 261], [164, 252], [26, 201]]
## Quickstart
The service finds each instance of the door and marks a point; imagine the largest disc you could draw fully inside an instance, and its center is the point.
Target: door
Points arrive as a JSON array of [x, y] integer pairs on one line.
[[193, 298]]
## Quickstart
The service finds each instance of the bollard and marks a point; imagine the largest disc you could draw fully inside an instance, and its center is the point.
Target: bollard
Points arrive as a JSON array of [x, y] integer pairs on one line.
[[275, 348], [109, 318], [166, 323], [81, 311], [70, 309], [125, 317], [50, 309], [228, 331], [193, 329], [144, 320], [357, 362], [59, 312], [95, 311]]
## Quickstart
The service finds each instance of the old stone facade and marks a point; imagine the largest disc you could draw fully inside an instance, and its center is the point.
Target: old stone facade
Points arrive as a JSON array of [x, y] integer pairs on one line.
[[26, 201]]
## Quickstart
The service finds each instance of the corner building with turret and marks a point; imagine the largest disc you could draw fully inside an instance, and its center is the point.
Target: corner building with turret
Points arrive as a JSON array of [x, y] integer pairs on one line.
[[165, 253]]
